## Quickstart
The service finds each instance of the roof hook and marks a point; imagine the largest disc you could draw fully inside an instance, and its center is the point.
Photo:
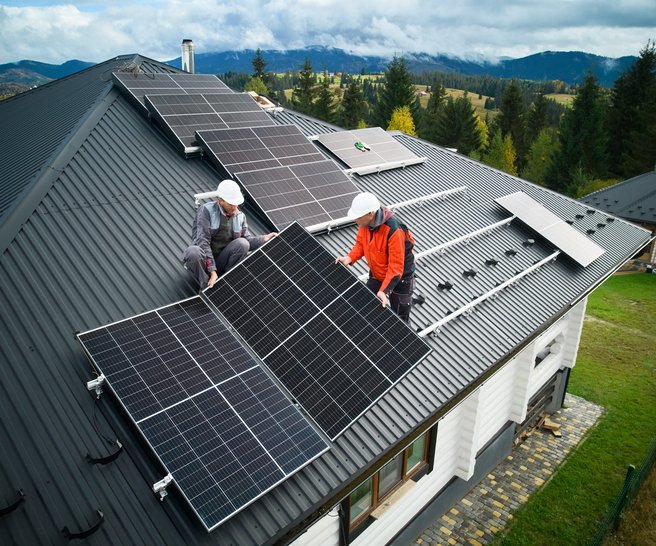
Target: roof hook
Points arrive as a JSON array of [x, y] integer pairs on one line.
[[68, 535], [20, 498]]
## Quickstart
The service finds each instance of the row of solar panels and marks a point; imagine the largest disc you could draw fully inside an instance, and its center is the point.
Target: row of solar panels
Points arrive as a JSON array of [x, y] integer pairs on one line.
[[285, 174], [225, 427]]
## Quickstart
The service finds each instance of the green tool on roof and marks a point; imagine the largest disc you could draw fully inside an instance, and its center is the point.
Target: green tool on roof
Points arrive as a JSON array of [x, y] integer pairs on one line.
[[362, 146]]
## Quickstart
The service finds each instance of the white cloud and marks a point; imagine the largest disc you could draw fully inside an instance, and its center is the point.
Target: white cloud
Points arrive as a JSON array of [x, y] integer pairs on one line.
[[95, 31]]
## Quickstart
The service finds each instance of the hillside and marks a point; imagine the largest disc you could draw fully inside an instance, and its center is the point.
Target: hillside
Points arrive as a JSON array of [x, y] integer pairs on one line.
[[570, 67]]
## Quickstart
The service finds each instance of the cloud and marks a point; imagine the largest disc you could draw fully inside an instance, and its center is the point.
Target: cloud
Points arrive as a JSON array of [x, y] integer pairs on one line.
[[95, 31]]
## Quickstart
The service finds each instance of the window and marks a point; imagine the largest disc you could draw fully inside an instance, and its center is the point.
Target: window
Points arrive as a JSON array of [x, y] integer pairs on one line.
[[369, 494]]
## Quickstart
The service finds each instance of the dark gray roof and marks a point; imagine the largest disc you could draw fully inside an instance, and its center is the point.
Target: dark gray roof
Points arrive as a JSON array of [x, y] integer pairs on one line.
[[102, 243], [634, 199]]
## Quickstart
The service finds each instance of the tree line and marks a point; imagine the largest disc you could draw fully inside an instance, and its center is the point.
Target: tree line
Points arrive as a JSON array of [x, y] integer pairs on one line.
[[605, 136]]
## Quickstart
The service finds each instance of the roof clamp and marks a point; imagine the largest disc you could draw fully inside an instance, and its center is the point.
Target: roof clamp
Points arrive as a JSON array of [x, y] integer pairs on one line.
[[160, 486], [96, 385]]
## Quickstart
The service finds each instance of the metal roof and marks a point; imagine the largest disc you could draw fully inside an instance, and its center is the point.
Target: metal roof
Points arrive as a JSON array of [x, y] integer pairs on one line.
[[634, 199], [103, 242]]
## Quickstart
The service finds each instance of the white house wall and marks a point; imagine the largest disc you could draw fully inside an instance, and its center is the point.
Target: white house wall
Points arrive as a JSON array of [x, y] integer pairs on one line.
[[324, 531], [469, 426]]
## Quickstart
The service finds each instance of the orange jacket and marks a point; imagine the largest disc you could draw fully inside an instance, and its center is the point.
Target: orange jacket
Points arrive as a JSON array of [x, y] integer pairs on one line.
[[387, 247]]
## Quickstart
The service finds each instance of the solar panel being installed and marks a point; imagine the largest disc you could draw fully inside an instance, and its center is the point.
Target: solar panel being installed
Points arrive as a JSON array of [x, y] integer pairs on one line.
[[182, 115], [217, 422], [558, 232], [368, 150], [322, 333], [283, 172], [137, 85]]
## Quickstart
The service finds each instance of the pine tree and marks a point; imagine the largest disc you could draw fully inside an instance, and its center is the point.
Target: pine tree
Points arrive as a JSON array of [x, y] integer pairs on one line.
[[305, 92], [259, 66], [398, 90], [401, 120], [540, 156], [537, 118], [353, 106], [511, 119], [324, 107], [430, 117], [457, 126], [631, 115], [582, 139]]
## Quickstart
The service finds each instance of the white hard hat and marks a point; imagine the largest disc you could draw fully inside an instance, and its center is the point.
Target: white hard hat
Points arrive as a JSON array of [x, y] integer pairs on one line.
[[229, 191], [363, 203]]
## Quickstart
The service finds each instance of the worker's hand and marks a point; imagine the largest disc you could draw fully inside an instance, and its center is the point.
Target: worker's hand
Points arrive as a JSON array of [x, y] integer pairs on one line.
[[269, 236], [213, 278], [383, 297], [344, 260]]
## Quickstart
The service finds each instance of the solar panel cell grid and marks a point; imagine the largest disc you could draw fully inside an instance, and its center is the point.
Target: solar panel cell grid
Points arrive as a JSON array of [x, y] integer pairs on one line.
[[265, 159], [322, 333], [215, 419]]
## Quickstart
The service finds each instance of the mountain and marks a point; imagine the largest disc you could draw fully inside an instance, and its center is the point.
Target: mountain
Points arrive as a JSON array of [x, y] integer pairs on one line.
[[25, 74], [570, 67]]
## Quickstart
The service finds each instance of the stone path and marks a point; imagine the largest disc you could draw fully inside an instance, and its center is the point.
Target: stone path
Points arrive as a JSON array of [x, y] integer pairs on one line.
[[485, 510]]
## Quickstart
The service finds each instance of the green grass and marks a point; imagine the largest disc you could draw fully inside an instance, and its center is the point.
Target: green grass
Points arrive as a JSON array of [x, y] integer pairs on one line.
[[616, 369]]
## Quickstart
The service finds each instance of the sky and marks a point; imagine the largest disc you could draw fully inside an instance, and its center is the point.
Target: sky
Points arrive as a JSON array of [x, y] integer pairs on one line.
[[54, 32]]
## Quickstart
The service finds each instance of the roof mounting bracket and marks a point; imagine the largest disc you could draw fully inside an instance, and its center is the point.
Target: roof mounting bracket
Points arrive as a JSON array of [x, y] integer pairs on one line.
[[68, 535], [107, 459], [96, 385], [20, 498], [160, 486]]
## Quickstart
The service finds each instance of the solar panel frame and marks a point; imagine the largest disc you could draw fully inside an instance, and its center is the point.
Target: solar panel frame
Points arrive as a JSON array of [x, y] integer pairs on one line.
[[283, 172], [384, 152], [566, 238], [135, 85], [182, 115], [232, 436], [318, 329]]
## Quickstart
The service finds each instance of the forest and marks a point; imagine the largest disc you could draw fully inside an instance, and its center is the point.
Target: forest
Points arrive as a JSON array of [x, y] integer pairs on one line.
[[605, 135]]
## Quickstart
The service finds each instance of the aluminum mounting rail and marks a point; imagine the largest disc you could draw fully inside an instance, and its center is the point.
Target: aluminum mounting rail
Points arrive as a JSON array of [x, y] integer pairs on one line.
[[435, 327], [341, 221], [464, 238]]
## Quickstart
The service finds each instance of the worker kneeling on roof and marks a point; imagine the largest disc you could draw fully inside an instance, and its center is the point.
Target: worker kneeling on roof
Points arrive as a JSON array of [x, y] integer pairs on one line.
[[387, 245], [220, 236]]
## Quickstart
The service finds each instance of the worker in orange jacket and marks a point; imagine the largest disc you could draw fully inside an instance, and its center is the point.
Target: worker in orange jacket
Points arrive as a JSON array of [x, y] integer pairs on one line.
[[387, 245]]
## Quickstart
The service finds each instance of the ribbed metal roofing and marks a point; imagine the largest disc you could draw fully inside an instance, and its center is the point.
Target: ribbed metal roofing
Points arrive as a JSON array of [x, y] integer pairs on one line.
[[633, 199], [104, 244]]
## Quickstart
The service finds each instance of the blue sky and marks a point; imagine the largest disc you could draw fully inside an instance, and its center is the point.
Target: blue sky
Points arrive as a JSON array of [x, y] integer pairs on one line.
[[51, 31]]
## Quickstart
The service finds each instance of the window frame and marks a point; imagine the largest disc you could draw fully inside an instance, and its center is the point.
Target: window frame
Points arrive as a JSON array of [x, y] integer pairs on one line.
[[406, 475]]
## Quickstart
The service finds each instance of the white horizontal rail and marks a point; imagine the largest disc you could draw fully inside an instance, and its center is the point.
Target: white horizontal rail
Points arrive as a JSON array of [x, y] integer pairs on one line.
[[437, 325], [438, 195], [387, 166], [466, 237], [444, 246]]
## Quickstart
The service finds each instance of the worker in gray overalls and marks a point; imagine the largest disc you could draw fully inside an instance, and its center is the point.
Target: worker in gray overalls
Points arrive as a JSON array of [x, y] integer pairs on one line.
[[219, 236]]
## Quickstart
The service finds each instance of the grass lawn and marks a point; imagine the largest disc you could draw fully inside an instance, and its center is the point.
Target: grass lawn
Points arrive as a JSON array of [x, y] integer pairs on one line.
[[616, 369]]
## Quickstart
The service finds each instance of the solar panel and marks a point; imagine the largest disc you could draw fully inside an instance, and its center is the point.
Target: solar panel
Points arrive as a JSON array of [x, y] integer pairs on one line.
[[182, 115], [217, 422], [368, 150], [283, 172], [322, 333], [558, 232], [136, 84]]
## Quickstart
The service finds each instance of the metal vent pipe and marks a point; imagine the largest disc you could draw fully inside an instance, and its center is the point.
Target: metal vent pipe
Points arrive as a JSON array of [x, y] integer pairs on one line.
[[188, 56]]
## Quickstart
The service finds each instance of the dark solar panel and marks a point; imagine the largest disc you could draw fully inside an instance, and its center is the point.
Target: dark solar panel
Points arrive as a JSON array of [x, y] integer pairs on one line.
[[183, 115], [136, 85], [555, 230], [283, 172], [317, 327], [217, 422], [368, 150]]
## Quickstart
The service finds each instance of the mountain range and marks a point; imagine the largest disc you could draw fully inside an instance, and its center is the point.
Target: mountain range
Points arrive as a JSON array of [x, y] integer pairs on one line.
[[570, 67]]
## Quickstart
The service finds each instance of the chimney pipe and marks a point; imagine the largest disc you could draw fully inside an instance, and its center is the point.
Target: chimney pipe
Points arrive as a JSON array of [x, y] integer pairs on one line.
[[188, 56]]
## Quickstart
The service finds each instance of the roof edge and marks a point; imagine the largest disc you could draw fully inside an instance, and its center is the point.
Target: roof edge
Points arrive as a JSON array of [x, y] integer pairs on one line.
[[27, 202]]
